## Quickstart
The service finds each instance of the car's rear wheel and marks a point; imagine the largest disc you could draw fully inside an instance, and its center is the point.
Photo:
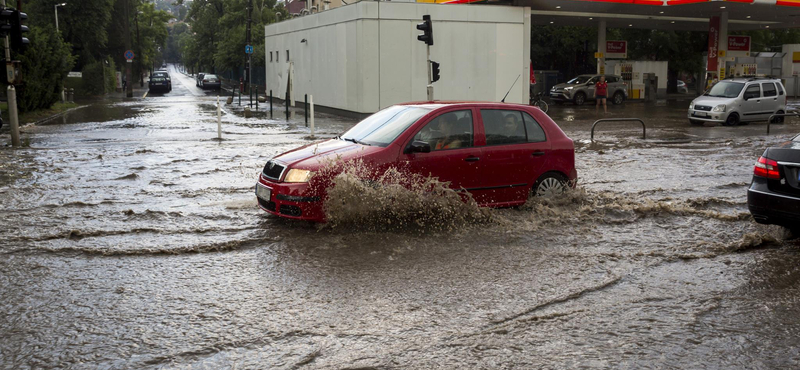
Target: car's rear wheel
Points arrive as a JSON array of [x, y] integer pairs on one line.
[[618, 98], [733, 120], [550, 185], [778, 119], [580, 98]]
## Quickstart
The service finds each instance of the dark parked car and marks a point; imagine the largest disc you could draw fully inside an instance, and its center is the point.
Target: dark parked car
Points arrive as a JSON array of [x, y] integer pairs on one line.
[[210, 81], [500, 153], [160, 81], [774, 194]]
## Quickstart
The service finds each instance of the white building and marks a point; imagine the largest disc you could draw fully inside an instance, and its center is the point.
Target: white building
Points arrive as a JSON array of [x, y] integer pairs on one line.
[[365, 56]]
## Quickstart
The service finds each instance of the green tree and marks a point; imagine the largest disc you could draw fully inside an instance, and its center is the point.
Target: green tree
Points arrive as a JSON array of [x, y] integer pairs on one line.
[[45, 63]]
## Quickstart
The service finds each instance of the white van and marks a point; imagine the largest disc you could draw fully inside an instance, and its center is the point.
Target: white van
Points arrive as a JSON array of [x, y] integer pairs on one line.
[[737, 100]]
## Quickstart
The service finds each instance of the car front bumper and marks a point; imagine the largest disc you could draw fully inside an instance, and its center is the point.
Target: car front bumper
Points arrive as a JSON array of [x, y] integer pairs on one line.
[[768, 207], [290, 200], [705, 116], [560, 96]]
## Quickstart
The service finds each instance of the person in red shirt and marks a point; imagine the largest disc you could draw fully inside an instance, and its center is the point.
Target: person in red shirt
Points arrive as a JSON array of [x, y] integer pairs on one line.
[[600, 93]]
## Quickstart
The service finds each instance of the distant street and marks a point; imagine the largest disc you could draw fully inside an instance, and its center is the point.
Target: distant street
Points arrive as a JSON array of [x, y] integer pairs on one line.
[[132, 240]]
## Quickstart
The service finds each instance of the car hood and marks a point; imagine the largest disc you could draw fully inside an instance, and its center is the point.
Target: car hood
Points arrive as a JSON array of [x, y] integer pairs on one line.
[[713, 101], [561, 86], [316, 155]]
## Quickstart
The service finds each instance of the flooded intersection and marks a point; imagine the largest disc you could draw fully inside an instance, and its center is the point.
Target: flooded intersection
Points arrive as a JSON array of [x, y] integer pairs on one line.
[[132, 240]]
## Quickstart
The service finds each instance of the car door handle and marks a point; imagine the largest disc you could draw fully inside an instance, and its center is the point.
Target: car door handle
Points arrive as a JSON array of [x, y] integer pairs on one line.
[[472, 159], [538, 154]]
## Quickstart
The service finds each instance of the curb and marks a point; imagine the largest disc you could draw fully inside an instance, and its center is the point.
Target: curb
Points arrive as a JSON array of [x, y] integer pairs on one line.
[[56, 115]]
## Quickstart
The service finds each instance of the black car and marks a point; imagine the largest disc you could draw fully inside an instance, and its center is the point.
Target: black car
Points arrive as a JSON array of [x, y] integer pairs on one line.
[[774, 194], [210, 81], [160, 81]]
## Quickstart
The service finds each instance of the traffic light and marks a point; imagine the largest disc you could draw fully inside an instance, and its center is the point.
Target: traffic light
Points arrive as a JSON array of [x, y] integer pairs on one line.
[[434, 71], [427, 28], [16, 37], [6, 15]]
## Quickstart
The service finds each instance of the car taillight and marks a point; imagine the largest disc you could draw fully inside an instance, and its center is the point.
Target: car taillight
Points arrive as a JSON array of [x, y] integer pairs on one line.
[[205, 80], [766, 167]]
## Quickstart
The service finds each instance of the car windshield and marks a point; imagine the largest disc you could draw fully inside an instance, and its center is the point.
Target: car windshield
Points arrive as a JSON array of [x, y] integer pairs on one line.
[[383, 127], [579, 80], [725, 89]]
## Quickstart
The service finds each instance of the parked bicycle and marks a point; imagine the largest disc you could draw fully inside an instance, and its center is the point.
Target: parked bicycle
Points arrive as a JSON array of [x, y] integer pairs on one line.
[[538, 101]]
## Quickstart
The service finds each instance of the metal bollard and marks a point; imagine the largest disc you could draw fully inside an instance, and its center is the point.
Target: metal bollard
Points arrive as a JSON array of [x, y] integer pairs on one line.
[[311, 100], [64, 95], [287, 105], [71, 95], [270, 104], [240, 98], [305, 107]]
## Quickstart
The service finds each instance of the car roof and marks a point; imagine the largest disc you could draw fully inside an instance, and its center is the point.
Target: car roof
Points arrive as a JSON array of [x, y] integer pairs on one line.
[[436, 104]]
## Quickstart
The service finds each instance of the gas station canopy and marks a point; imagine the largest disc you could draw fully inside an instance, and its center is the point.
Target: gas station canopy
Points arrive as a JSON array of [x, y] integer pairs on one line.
[[679, 15]]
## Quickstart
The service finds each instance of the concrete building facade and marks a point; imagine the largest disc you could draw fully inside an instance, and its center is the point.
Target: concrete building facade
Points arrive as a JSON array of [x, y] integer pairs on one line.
[[365, 56]]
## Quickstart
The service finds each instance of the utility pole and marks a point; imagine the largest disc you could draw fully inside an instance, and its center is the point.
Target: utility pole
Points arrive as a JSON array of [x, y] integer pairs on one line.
[[12, 98], [127, 30], [248, 78]]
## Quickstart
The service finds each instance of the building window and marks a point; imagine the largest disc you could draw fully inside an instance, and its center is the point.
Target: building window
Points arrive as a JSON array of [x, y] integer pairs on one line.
[[270, 57], [277, 56], [287, 56]]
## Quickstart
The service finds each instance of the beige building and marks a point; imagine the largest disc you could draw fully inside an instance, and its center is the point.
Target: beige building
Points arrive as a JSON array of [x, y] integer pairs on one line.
[[365, 56]]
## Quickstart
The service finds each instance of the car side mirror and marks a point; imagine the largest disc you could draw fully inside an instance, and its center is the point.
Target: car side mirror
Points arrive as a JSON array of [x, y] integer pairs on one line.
[[419, 147]]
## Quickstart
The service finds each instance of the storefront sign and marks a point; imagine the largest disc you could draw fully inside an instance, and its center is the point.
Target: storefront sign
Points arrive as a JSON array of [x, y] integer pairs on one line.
[[616, 49], [796, 57], [738, 46], [713, 43]]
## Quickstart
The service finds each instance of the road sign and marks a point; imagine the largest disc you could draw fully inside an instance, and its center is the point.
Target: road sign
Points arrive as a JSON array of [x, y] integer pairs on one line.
[[248, 49], [129, 55]]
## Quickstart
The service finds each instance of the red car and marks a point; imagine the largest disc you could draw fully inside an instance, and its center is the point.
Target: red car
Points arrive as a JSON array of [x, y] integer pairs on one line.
[[500, 153]]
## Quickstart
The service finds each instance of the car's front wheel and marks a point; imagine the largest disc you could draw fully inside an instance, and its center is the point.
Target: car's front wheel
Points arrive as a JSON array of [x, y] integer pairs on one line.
[[733, 120], [618, 98], [550, 185], [580, 98]]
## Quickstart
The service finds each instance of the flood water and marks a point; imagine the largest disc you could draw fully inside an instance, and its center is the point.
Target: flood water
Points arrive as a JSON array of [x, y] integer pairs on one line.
[[131, 239]]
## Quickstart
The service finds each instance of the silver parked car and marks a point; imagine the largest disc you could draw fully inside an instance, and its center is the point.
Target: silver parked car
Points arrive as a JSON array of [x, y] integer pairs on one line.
[[581, 89], [738, 100]]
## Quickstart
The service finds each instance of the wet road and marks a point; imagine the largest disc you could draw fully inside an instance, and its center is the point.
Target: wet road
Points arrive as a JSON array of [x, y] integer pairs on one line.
[[131, 240]]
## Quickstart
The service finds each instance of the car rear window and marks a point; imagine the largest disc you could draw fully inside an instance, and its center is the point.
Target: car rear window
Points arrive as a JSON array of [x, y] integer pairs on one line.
[[780, 88], [157, 79], [769, 89], [533, 129]]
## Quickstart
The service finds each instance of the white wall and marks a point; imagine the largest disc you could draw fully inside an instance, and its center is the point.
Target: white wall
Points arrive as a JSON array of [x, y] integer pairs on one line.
[[366, 56], [789, 68]]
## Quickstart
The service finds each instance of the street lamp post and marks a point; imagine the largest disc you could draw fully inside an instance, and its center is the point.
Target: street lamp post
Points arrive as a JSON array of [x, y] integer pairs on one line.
[[56, 8]]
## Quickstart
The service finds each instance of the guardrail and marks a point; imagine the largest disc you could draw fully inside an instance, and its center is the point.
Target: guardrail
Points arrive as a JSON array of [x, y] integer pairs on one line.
[[644, 129], [769, 121]]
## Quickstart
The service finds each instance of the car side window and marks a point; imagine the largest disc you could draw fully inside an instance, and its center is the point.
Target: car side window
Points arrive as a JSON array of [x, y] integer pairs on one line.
[[451, 130], [769, 89], [532, 128], [780, 88], [753, 91], [594, 80], [503, 127], [611, 79]]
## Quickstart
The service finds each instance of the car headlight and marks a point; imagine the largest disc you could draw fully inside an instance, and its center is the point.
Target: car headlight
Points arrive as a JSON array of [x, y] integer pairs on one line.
[[719, 108], [691, 105], [296, 175]]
